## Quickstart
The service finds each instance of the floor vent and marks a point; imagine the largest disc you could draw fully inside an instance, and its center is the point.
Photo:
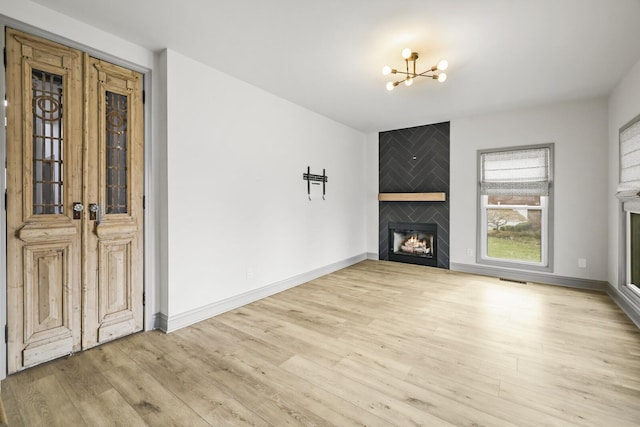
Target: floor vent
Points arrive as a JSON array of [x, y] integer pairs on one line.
[[512, 280]]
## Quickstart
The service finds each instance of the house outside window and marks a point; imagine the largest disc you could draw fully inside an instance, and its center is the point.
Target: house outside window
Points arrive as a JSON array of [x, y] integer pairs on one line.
[[515, 199]]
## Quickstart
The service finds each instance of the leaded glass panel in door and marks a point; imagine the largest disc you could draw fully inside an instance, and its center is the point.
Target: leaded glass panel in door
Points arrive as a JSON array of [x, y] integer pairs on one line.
[[116, 155], [48, 142]]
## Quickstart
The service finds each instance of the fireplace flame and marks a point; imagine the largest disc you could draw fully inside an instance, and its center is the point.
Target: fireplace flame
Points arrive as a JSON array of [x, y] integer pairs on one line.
[[413, 245]]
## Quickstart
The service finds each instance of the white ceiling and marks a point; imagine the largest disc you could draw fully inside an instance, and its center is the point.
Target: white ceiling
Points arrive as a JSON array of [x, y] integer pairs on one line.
[[327, 55]]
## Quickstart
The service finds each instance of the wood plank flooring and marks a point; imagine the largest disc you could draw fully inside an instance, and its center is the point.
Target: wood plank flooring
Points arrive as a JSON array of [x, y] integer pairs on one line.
[[375, 344]]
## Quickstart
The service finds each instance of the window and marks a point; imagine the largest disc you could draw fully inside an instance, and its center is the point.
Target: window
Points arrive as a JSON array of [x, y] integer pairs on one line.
[[515, 200], [628, 191]]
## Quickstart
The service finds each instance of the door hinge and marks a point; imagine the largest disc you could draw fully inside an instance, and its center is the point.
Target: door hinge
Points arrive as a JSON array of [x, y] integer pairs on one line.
[[5, 200], [144, 96], [144, 299], [144, 202], [4, 57], [6, 334]]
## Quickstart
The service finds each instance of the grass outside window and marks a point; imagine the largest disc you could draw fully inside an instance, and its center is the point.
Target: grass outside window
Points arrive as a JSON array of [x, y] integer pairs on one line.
[[513, 247]]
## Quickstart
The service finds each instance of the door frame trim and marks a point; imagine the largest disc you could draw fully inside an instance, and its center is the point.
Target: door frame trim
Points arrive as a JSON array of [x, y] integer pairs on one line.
[[150, 290]]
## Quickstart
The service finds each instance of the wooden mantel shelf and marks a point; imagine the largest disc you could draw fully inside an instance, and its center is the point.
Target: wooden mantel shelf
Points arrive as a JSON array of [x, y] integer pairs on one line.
[[412, 197]]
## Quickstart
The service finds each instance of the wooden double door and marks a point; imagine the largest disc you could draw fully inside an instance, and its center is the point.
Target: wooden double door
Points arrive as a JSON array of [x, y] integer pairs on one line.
[[74, 200]]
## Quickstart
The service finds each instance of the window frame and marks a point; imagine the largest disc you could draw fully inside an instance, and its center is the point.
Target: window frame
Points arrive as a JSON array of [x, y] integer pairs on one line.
[[629, 203], [546, 208]]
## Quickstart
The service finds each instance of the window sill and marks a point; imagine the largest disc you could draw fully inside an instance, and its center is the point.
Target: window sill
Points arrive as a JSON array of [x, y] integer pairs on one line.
[[514, 265]]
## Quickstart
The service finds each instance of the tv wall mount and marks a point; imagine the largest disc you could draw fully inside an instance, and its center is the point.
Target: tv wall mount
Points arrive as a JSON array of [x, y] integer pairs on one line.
[[313, 179]]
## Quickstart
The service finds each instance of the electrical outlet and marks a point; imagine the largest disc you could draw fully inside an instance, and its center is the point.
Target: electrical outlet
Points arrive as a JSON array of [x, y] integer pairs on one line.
[[250, 274], [469, 252], [582, 263]]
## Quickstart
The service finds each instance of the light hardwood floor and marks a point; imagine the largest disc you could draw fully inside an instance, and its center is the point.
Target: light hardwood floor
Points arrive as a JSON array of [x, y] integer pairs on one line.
[[375, 344]]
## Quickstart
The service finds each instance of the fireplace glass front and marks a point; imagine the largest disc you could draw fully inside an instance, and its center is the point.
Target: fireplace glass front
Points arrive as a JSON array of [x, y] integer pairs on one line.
[[413, 243]]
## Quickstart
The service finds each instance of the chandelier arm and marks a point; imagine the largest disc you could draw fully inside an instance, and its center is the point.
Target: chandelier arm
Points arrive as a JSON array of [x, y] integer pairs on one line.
[[424, 74]]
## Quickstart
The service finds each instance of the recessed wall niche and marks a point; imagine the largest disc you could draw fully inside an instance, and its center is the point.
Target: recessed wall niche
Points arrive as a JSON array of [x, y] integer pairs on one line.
[[415, 160]]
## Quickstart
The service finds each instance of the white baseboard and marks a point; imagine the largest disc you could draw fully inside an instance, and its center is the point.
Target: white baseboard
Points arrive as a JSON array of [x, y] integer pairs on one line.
[[626, 302], [373, 255], [526, 276], [178, 321], [160, 321]]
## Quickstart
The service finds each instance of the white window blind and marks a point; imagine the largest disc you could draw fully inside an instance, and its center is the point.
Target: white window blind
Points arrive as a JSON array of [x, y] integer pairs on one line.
[[523, 172], [630, 157], [629, 185]]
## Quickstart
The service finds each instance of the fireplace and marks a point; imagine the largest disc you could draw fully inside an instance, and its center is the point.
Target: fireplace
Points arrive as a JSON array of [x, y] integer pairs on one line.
[[413, 243]]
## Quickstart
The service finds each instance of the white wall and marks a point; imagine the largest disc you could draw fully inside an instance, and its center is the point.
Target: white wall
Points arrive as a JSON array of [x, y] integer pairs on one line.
[[624, 105], [579, 131], [371, 191], [159, 177], [238, 214]]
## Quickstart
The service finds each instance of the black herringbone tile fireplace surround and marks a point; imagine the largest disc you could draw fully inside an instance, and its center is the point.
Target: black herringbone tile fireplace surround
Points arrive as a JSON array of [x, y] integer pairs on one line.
[[415, 160]]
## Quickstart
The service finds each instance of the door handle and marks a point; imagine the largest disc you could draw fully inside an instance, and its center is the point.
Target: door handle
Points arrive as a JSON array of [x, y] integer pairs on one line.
[[77, 210], [95, 213]]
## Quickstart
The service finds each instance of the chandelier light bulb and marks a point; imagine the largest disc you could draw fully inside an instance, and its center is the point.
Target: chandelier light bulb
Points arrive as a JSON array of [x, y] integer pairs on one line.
[[442, 77], [408, 81], [386, 70], [443, 65], [406, 53], [390, 86]]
